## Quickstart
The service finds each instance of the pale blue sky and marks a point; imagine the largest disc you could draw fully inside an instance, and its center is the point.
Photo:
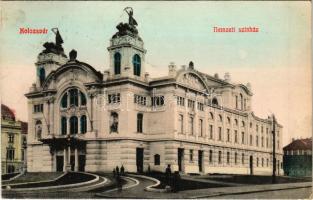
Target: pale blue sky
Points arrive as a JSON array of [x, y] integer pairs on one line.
[[276, 61]]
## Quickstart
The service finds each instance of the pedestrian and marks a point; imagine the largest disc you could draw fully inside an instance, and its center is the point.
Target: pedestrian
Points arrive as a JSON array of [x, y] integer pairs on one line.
[[168, 173], [114, 172], [117, 171], [122, 170]]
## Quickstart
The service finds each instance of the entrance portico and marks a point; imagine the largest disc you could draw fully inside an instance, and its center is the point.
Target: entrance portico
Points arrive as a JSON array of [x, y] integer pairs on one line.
[[68, 153]]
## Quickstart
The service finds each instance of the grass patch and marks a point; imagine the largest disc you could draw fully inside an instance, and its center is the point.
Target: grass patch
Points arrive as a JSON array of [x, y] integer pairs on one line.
[[35, 177], [69, 178]]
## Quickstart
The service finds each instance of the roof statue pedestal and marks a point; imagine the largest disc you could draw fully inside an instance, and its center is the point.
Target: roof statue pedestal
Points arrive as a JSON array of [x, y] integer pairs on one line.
[[127, 28]]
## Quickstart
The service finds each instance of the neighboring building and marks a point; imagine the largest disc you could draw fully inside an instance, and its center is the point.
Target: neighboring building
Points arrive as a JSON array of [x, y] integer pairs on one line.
[[298, 158], [13, 141], [82, 119]]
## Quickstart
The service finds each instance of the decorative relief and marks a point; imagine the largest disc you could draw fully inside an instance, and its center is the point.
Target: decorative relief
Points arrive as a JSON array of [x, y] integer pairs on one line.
[[192, 81]]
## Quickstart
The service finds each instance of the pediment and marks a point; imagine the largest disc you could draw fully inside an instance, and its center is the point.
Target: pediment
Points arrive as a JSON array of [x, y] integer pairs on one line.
[[192, 80]]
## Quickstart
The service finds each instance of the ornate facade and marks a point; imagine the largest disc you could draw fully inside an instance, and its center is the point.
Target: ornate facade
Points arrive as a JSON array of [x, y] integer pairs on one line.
[[83, 119]]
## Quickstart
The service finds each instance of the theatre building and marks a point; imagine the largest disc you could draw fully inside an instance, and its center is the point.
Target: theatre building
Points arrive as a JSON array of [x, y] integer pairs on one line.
[[85, 120]]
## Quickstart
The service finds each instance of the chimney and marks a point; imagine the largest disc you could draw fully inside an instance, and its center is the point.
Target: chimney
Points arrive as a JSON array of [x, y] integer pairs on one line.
[[216, 75], [106, 75], [227, 77], [172, 69], [191, 65]]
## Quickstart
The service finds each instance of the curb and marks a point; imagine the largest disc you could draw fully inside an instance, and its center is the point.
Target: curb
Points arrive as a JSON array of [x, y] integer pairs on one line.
[[103, 194], [247, 192], [150, 187], [57, 186], [25, 183]]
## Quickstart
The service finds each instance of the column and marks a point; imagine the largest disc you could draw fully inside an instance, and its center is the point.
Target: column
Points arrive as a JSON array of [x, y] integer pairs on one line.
[[76, 159], [68, 125], [69, 158], [64, 159], [52, 118]]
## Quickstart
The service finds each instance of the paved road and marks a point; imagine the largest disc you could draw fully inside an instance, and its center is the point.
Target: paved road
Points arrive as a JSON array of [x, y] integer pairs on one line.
[[134, 192], [301, 193]]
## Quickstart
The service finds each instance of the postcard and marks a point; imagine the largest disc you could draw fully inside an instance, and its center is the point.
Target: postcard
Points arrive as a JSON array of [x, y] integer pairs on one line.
[[162, 99]]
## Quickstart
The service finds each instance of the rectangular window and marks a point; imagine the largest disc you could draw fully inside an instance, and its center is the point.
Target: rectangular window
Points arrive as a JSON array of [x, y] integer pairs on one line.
[[211, 131], [266, 142], [262, 142], [180, 124], [38, 108], [201, 127], [180, 101], [257, 141], [227, 158], [235, 158], [250, 140], [200, 106], [242, 137], [190, 125], [228, 135], [242, 158], [10, 154], [157, 101], [220, 133], [191, 155], [141, 100], [211, 156], [114, 98], [11, 138], [236, 136], [219, 157], [191, 104]]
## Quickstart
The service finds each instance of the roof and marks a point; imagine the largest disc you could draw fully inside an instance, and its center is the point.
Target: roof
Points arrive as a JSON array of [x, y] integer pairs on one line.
[[7, 113], [299, 144]]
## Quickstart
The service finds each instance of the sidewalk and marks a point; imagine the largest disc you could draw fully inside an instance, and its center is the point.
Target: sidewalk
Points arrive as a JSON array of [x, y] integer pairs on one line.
[[206, 193]]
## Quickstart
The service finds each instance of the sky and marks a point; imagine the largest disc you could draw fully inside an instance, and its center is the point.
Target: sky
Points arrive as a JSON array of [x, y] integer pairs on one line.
[[276, 60]]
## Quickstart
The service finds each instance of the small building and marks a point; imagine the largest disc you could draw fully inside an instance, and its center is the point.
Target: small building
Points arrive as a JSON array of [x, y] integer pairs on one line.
[[297, 159], [13, 142]]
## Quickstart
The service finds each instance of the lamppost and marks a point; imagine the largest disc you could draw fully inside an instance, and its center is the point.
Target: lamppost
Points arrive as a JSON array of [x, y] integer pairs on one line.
[[274, 148]]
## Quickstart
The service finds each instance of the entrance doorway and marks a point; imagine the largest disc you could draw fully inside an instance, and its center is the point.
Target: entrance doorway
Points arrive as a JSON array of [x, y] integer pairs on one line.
[[139, 159], [251, 165], [60, 163], [81, 163], [200, 160], [180, 155]]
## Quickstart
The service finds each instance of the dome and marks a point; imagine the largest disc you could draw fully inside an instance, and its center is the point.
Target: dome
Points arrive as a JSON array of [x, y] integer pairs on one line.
[[7, 113]]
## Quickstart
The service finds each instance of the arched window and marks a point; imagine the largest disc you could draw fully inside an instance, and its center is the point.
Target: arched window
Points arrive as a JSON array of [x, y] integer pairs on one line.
[[241, 102], [73, 97], [83, 124], [137, 64], [242, 123], [211, 115], [73, 125], [117, 63], [64, 101], [156, 159], [139, 122], [236, 122], [38, 129], [220, 118], [82, 99], [63, 125], [228, 120], [114, 123], [42, 75], [214, 101]]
